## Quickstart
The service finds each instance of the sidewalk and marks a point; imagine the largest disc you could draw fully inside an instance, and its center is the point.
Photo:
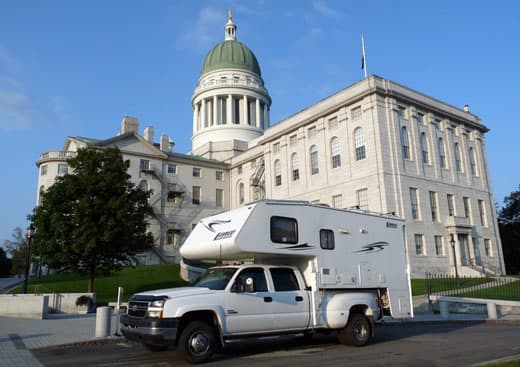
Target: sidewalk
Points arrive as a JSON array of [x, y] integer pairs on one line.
[[19, 336]]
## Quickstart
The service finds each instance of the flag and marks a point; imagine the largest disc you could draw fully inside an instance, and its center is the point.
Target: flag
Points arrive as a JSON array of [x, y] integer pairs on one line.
[[363, 56], [362, 62]]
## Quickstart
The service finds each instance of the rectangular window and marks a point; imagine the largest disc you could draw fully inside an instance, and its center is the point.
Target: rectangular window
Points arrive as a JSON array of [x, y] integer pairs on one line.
[[362, 199], [284, 280], [420, 117], [356, 113], [240, 169], [487, 247], [337, 201], [172, 168], [276, 147], [63, 169], [43, 170], [451, 205], [196, 172], [333, 123], [401, 110], [327, 239], [465, 201], [439, 248], [482, 213], [219, 175], [144, 165], [219, 198], [311, 132], [284, 230], [221, 109], [414, 203], [196, 195], [419, 244], [278, 180], [293, 140], [433, 205]]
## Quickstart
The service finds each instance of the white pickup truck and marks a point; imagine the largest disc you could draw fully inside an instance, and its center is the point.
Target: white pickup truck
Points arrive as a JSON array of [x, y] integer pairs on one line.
[[303, 268], [246, 300]]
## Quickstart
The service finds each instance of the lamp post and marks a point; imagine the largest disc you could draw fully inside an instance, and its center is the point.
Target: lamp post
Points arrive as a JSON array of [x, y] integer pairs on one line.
[[30, 231], [452, 243]]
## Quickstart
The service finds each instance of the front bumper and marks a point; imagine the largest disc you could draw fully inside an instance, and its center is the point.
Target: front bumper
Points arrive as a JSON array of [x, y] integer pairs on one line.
[[150, 331]]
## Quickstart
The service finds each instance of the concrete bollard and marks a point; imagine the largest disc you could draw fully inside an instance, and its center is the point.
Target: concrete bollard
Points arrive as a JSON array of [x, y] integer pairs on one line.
[[103, 320], [445, 312], [492, 311]]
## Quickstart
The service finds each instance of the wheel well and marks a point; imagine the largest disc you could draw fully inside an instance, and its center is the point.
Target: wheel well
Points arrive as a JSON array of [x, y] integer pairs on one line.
[[362, 309], [208, 317]]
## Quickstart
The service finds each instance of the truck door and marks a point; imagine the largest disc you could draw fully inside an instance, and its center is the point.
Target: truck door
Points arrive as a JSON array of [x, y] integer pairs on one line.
[[248, 311], [290, 306]]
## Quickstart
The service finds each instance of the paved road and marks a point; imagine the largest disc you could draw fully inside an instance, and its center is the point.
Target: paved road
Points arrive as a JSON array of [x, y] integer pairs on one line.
[[415, 344]]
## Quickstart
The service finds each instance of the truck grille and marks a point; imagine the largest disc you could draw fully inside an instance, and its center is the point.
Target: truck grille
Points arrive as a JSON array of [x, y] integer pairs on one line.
[[137, 308]]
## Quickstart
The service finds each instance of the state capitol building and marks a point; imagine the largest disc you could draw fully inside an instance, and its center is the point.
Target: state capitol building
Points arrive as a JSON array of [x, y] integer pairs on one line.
[[375, 145]]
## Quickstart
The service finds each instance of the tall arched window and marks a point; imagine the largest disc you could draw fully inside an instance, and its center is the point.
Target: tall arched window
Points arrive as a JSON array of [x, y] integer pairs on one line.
[[424, 149], [472, 162], [295, 167], [442, 153], [405, 143], [335, 152], [359, 143], [277, 173], [458, 162], [315, 169], [241, 197]]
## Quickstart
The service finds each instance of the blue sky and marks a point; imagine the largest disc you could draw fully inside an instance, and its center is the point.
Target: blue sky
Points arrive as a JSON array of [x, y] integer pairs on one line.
[[71, 68]]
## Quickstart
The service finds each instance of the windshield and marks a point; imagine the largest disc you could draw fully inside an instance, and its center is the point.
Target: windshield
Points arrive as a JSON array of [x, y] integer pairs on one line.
[[216, 278]]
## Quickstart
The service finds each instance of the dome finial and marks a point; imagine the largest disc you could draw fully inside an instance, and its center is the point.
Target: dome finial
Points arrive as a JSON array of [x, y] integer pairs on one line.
[[230, 29]]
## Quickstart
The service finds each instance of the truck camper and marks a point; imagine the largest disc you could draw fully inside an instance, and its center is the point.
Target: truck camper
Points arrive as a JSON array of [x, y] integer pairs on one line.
[[292, 267]]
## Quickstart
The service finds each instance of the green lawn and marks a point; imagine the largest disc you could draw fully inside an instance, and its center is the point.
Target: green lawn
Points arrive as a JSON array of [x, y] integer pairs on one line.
[[509, 292], [515, 362], [419, 286], [140, 278]]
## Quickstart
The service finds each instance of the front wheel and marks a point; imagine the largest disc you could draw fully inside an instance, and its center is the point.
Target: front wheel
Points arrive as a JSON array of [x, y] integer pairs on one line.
[[357, 332], [197, 342]]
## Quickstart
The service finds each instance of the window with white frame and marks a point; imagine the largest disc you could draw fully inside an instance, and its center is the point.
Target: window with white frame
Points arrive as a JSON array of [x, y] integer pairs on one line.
[[487, 247], [196, 172], [401, 111], [458, 162], [465, 201], [420, 117], [173, 237], [359, 144], [439, 246], [424, 149], [277, 173], [315, 169], [414, 203], [451, 205], [442, 153], [43, 170], [472, 162], [239, 169], [241, 197], [293, 140], [335, 152], [219, 175], [295, 167], [482, 213], [63, 169], [419, 244], [333, 123], [356, 113], [172, 168], [337, 201], [434, 207], [311, 132], [219, 198], [144, 165], [362, 199], [195, 195], [276, 147], [405, 143]]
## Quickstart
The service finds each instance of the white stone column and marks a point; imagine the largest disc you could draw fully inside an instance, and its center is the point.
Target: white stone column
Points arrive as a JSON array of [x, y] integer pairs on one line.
[[229, 111], [244, 112], [215, 117], [195, 128], [258, 113], [266, 116], [203, 121]]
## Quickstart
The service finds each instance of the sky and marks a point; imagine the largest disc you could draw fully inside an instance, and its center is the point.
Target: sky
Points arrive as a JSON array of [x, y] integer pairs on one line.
[[75, 68]]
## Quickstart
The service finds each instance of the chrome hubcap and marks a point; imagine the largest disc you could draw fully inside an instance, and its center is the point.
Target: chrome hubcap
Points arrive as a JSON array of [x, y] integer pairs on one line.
[[199, 343]]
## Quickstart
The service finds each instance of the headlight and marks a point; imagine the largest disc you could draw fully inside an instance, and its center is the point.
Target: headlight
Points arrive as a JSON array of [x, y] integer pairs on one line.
[[155, 307], [158, 303]]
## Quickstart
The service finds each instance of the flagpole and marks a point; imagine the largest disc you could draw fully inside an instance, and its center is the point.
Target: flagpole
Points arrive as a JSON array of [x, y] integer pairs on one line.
[[364, 59]]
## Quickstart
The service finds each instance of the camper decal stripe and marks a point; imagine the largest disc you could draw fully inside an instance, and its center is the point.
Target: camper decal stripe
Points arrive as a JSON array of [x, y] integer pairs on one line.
[[374, 247], [303, 246], [210, 225]]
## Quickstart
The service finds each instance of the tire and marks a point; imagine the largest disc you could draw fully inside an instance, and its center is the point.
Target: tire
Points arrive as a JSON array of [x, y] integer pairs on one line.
[[197, 342], [357, 332]]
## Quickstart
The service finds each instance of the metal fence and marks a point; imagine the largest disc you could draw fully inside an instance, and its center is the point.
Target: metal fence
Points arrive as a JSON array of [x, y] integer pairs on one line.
[[503, 288]]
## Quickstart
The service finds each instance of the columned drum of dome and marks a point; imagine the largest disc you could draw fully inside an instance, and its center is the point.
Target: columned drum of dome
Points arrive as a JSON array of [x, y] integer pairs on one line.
[[230, 103]]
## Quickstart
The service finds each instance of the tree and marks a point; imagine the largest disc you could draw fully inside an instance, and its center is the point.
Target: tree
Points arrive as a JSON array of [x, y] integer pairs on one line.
[[92, 220], [509, 223], [17, 248], [5, 264]]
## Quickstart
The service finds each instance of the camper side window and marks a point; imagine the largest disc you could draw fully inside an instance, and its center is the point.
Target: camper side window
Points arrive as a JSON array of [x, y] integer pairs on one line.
[[327, 239], [284, 230]]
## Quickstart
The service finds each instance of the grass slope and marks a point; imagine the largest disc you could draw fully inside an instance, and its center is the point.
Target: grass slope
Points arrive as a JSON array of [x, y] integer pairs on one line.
[[140, 278]]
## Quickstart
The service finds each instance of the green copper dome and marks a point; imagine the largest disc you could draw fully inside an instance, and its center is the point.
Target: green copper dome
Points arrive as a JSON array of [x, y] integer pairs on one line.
[[231, 54]]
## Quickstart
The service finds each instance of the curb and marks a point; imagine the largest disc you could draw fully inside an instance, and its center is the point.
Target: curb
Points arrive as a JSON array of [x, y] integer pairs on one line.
[[90, 342]]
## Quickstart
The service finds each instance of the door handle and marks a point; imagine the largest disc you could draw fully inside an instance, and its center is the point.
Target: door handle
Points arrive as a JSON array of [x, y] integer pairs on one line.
[[268, 299], [299, 298]]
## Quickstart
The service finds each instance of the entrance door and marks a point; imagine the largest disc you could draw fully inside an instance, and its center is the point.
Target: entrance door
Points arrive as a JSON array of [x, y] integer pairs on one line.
[[464, 249]]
